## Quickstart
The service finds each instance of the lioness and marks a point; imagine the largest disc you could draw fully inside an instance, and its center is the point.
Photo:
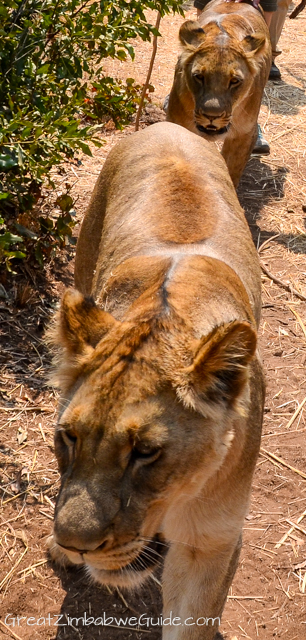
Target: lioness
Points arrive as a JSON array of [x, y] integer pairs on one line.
[[220, 77], [162, 390]]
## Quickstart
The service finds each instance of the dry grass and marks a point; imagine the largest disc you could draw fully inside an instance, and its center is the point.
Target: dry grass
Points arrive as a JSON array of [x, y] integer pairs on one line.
[[267, 598]]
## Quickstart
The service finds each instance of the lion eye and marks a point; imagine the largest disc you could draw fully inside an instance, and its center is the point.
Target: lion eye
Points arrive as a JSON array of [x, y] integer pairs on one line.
[[68, 438], [143, 451], [234, 82]]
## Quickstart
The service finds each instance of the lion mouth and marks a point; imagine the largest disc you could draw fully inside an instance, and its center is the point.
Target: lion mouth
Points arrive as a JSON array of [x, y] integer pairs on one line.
[[211, 130], [135, 572]]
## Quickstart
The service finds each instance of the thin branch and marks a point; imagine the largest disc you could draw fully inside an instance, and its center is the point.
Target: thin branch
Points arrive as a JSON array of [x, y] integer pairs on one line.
[[282, 284], [147, 82]]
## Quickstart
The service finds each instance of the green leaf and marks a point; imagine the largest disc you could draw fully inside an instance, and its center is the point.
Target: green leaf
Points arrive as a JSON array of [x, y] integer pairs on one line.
[[43, 69], [27, 233], [8, 238], [64, 202], [85, 148], [7, 162], [17, 254]]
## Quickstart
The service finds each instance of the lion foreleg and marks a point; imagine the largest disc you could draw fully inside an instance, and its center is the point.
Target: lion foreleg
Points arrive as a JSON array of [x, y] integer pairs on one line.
[[195, 586], [236, 152]]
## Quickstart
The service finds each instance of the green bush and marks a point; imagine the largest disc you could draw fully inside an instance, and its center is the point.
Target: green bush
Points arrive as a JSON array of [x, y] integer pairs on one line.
[[53, 94]]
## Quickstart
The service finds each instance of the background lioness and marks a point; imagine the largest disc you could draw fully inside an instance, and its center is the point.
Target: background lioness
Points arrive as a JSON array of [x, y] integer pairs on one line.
[[220, 77], [162, 391]]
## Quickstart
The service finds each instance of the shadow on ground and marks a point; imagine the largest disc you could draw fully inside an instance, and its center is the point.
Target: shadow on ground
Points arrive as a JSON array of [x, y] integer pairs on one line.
[[93, 612], [283, 98], [261, 185]]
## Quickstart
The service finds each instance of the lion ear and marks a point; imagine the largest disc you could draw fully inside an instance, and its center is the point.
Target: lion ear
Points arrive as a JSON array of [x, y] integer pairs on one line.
[[219, 369], [80, 324], [191, 34], [252, 44]]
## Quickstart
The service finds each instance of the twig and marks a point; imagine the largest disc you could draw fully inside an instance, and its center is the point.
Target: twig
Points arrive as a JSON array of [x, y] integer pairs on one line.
[[267, 242], [15, 497], [52, 505], [284, 133], [296, 526], [126, 604], [34, 461], [301, 565], [286, 535], [13, 634], [296, 413], [16, 517], [285, 464], [8, 575], [45, 409], [299, 319], [278, 610], [37, 564], [245, 597], [282, 284], [269, 459], [122, 598], [42, 432], [47, 515], [15, 389], [146, 84], [250, 615], [281, 584], [137, 630], [256, 546]]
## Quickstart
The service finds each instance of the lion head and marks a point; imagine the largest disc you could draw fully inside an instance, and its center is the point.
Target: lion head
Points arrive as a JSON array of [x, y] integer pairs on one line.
[[146, 418], [215, 72]]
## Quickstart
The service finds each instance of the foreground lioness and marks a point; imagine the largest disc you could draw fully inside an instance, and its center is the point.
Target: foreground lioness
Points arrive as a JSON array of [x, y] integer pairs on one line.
[[220, 77], [162, 390]]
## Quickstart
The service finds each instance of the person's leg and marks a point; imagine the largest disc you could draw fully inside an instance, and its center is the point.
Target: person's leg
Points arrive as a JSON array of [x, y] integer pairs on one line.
[[262, 147], [268, 16], [277, 24], [269, 7], [199, 5]]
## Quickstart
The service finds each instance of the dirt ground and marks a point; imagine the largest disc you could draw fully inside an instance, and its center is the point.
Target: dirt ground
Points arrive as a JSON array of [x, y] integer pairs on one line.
[[267, 598]]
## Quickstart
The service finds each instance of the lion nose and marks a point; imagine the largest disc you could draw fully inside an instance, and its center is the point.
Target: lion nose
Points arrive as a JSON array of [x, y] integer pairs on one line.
[[81, 523], [79, 541], [213, 109], [81, 529]]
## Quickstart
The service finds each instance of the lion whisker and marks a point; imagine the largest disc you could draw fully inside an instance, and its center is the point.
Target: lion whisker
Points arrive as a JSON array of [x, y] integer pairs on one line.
[[152, 551], [151, 540]]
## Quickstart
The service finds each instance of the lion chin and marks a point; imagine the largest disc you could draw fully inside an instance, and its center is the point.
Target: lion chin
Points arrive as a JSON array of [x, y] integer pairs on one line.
[[213, 132], [126, 577]]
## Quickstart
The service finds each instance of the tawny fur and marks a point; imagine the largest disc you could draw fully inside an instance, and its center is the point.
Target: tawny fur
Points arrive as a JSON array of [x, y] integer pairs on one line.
[[162, 389], [220, 78]]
